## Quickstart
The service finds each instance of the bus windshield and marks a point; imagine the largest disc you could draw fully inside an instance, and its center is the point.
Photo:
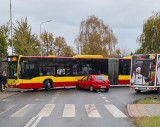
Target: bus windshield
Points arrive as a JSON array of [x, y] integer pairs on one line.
[[12, 66], [12, 70]]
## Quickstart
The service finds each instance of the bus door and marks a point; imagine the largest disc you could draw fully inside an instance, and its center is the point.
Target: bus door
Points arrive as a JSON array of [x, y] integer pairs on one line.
[[113, 67]]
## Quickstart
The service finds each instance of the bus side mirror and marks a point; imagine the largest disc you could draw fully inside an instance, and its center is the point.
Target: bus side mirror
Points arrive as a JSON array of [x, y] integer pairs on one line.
[[15, 75]]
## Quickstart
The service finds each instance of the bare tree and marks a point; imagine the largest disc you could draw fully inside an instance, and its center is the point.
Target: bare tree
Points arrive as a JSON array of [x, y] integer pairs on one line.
[[95, 38]]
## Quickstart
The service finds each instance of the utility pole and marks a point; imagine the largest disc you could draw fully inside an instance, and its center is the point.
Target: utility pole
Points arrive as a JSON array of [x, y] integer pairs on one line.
[[40, 35], [11, 24]]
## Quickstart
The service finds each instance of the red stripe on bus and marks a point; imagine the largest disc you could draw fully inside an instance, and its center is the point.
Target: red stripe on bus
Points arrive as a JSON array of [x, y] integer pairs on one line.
[[123, 82], [40, 85]]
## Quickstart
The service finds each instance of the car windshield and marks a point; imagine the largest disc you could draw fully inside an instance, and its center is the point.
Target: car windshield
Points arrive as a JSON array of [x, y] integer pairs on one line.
[[100, 77]]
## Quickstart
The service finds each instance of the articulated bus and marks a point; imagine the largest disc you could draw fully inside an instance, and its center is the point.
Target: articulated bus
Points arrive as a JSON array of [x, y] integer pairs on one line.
[[36, 72]]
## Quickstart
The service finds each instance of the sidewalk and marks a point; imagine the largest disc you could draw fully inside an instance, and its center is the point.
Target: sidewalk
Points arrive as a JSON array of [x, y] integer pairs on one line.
[[141, 110], [7, 93]]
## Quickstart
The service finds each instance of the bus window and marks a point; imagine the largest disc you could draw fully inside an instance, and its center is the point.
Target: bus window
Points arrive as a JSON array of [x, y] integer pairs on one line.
[[88, 66], [46, 68], [28, 70], [64, 70], [124, 67]]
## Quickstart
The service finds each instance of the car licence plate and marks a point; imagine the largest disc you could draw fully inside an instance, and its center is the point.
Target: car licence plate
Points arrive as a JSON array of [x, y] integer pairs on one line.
[[103, 86], [141, 88]]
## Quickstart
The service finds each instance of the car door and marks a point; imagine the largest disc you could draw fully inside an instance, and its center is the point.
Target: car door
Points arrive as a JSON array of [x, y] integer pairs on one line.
[[88, 82], [83, 82]]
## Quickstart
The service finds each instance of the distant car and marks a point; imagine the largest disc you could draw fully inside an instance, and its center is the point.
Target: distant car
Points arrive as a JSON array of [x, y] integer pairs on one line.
[[93, 82]]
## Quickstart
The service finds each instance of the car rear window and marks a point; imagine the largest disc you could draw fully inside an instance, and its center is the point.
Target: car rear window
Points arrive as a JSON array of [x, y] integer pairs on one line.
[[100, 78]]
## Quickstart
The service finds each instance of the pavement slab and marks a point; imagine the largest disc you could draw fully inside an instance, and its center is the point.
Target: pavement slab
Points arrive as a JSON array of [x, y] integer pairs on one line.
[[142, 110]]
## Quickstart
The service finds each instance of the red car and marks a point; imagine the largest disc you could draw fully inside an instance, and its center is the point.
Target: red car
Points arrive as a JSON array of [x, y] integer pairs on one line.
[[93, 82]]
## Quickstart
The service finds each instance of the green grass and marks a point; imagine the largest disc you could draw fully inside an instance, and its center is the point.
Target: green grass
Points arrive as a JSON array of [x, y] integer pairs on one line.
[[153, 121], [148, 100]]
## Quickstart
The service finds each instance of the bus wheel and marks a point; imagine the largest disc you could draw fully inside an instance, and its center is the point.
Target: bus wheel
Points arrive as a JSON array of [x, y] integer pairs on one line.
[[34, 89], [138, 91], [91, 88], [47, 85]]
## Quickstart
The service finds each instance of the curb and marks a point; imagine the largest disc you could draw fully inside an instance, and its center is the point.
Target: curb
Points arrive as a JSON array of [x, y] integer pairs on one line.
[[129, 111], [139, 110], [4, 95], [8, 92]]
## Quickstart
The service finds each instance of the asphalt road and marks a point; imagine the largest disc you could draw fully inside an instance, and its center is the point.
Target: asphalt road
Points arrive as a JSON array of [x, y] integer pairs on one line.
[[69, 108]]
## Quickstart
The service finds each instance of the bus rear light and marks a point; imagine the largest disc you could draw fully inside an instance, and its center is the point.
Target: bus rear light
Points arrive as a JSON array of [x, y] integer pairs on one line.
[[151, 88], [132, 88]]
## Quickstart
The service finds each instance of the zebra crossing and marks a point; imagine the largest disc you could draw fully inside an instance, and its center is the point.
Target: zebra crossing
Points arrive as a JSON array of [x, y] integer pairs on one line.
[[69, 110], [92, 111]]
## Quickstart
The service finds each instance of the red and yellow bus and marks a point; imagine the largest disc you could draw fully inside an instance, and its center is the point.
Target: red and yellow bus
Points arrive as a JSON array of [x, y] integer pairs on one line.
[[35, 72]]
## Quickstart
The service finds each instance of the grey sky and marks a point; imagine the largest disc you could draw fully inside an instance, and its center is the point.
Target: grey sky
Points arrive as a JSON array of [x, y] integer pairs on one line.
[[125, 17]]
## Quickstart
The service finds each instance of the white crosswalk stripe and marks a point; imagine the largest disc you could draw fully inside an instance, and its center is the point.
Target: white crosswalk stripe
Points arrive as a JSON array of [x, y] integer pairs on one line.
[[114, 111], [92, 110], [69, 110], [45, 112], [23, 110]]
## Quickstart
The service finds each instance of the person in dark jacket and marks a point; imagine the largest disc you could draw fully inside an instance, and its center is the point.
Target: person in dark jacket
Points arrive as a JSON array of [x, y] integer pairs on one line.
[[1, 81], [4, 80]]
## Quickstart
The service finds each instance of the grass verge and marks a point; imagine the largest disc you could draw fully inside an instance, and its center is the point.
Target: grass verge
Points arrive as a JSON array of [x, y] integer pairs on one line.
[[153, 121], [148, 100]]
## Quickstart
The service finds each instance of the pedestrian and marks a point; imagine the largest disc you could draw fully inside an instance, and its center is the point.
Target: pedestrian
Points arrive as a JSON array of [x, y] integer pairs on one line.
[[1, 81], [4, 79]]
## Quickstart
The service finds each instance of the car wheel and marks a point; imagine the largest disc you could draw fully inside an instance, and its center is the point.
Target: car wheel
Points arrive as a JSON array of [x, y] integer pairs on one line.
[[91, 88], [107, 89]]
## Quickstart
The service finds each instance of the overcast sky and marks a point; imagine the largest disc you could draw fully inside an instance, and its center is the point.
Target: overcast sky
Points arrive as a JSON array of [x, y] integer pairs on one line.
[[125, 17]]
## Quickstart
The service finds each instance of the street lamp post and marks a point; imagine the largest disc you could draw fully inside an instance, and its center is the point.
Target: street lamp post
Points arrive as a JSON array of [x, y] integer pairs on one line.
[[11, 25], [40, 33]]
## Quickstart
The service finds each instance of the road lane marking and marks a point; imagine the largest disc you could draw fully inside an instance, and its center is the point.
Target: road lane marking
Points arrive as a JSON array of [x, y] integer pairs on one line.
[[69, 110], [23, 111], [40, 99], [114, 111], [45, 112], [30, 122], [107, 101], [101, 95], [104, 97], [92, 111]]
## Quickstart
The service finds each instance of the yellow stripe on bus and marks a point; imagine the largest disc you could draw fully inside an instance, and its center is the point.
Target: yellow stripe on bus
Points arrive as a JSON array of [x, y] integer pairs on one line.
[[124, 77]]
